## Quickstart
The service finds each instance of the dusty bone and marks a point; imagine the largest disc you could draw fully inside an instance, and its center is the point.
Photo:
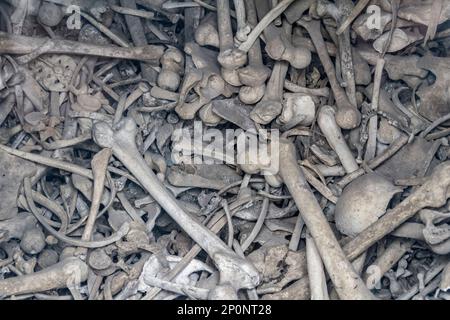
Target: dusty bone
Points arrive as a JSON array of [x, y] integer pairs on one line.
[[278, 41], [339, 12], [347, 116], [333, 134], [159, 93], [12, 172], [384, 262], [10, 44], [316, 274], [298, 109], [243, 29], [362, 202], [172, 63], [235, 272], [347, 282], [322, 92], [398, 67], [69, 272], [255, 74], [263, 23], [361, 25], [400, 40], [212, 176], [406, 163], [230, 58], [270, 105], [327, 171], [234, 112], [206, 81], [206, 33], [16, 226], [207, 115], [436, 97]]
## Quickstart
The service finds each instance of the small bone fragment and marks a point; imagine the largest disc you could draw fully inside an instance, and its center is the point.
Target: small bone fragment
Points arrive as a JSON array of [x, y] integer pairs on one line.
[[212, 176], [400, 40], [234, 112]]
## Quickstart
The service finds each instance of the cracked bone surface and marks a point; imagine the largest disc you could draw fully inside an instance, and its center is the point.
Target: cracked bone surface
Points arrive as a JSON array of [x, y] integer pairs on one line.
[[347, 282], [235, 272]]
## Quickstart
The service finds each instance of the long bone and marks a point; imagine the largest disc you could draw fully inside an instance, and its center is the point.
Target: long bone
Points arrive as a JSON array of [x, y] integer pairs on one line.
[[278, 41], [433, 193], [347, 282], [255, 74], [71, 271], [347, 116], [230, 58], [13, 44], [235, 272]]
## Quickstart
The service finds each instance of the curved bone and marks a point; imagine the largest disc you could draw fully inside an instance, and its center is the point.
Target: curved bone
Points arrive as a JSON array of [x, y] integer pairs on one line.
[[235, 272]]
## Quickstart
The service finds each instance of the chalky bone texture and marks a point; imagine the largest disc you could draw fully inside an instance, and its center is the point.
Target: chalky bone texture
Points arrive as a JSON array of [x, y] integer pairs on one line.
[[235, 272]]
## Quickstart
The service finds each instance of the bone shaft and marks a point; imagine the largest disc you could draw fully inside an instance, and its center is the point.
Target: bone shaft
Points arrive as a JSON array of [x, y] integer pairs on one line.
[[316, 274], [199, 233], [25, 45], [137, 33], [347, 282], [393, 253], [275, 84], [224, 25], [314, 31], [335, 138], [254, 54], [67, 272]]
